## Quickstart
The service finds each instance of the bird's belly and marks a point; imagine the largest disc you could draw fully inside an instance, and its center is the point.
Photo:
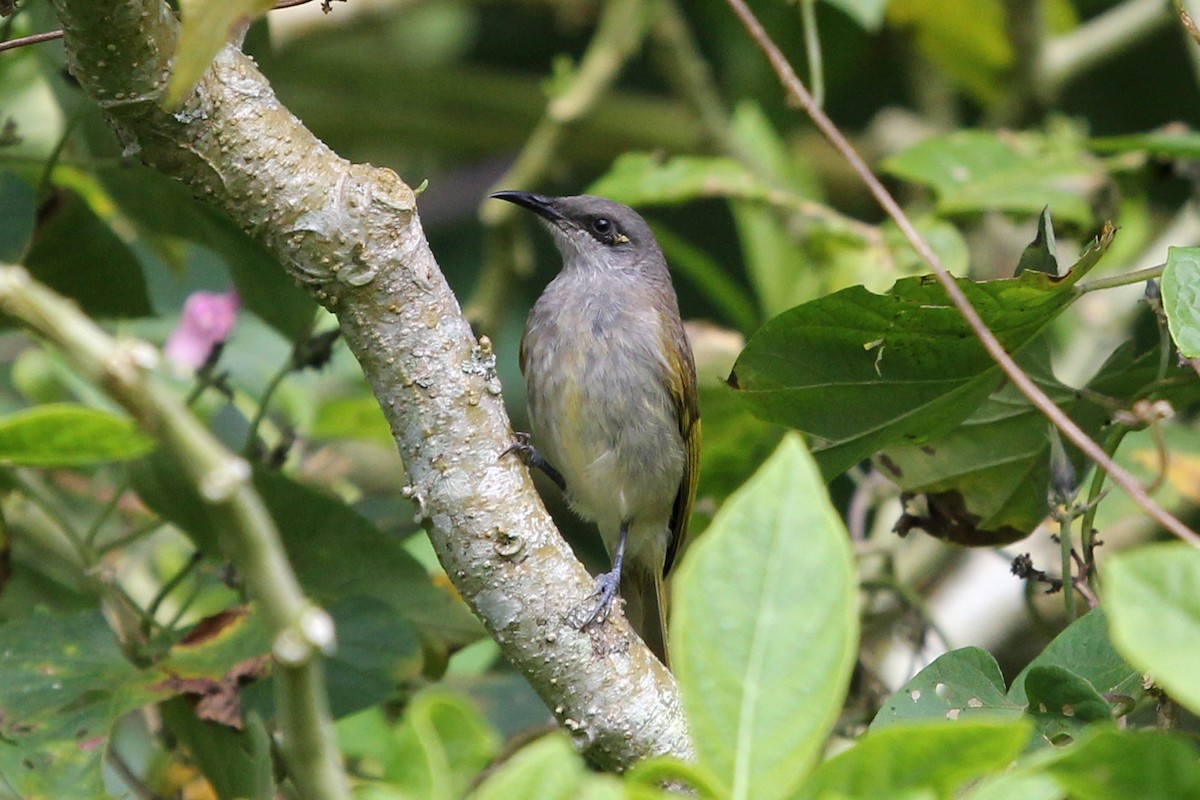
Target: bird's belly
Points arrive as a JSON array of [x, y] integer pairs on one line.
[[616, 443]]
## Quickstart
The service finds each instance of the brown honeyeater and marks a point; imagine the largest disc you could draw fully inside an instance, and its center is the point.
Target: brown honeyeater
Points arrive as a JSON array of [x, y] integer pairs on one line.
[[613, 407]]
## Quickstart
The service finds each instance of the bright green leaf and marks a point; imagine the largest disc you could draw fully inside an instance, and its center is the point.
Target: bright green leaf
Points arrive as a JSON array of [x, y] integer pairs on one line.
[[548, 769], [355, 417], [19, 202], [1160, 144], [78, 255], [966, 41], [932, 756], [1181, 298], [975, 171], [1129, 765], [640, 179], [960, 684], [1154, 614], [67, 435], [207, 26], [764, 680], [867, 13], [442, 742]]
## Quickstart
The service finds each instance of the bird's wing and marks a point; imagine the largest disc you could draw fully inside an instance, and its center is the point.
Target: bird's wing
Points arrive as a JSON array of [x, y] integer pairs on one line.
[[687, 406]]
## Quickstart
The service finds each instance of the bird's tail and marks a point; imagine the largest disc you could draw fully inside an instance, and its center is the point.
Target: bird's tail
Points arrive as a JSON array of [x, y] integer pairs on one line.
[[645, 594]]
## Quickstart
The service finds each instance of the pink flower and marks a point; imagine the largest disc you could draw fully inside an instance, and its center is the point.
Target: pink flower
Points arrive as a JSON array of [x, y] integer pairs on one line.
[[208, 317]]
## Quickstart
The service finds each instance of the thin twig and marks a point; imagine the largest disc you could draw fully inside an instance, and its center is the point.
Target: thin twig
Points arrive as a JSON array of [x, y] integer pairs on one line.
[[35, 38], [1023, 382]]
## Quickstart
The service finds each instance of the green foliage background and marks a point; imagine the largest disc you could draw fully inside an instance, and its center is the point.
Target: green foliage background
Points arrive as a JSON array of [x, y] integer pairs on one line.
[[797, 600]]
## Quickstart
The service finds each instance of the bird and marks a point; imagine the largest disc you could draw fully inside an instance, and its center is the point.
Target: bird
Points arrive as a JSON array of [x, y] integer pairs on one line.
[[612, 397]]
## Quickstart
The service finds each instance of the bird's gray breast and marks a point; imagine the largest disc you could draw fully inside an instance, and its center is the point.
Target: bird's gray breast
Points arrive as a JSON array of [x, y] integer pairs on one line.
[[599, 395]]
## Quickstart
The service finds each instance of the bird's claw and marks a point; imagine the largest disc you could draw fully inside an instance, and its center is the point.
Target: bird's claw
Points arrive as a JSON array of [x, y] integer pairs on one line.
[[608, 586]]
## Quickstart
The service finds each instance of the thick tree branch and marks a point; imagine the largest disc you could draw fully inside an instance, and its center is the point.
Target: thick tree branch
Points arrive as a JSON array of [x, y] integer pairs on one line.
[[351, 234]]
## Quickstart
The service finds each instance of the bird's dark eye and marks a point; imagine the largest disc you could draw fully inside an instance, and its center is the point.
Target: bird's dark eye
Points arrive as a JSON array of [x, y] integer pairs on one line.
[[602, 226]]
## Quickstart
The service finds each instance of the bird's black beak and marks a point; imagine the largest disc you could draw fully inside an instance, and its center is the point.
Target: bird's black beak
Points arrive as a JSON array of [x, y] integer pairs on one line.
[[542, 206]]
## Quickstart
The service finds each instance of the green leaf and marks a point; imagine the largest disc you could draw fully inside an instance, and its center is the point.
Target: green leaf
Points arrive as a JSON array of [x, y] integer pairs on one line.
[[164, 207], [1062, 702], [236, 763], [77, 254], [548, 769], [961, 684], [65, 684], [1154, 614], [975, 171], [986, 481], [67, 435], [207, 26], [1084, 648], [764, 680], [19, 202], [867, 13], [862, 371], [699, 268], [1162, 144], [359, 561], [916, 756], [735, 442], [641, 179], [377, 650], [439, 747], [1042, 253], [1129, 765], [965, 41], [1181, 298], [356, 417]]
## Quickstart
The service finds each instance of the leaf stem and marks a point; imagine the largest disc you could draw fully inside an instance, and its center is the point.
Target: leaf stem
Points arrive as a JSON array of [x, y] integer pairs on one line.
[[1068, 566], [795, 87], [812, 51], [1127, 279]]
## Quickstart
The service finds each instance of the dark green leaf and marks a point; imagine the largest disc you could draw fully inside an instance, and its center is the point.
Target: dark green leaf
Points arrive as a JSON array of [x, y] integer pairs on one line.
[[377, 650], [1062, 702], [914, 756], [236, 763], [1042, 253], [75, 253], [862, 371], [19, 202], [764, 680], [65, 684], [66, 435], [1084, 649], [336, 552], [961, 684], [974, 171], [1181, 298]]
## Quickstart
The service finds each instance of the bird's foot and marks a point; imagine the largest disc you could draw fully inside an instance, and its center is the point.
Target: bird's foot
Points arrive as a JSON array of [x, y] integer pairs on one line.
[[523, 449], [608, 585]]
